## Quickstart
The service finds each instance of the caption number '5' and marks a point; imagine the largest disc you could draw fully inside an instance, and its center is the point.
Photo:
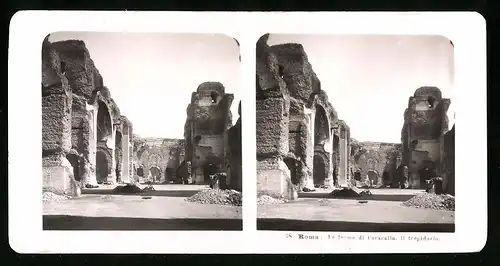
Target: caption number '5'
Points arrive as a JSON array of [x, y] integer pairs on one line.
[[288, 235]]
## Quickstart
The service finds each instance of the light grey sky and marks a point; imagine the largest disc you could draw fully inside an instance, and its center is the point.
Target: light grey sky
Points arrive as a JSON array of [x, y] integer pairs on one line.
[[369, 78], [151, 75]]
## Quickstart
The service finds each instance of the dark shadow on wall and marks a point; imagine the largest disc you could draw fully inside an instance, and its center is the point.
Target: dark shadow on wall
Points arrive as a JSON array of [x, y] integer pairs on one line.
[[158, 193], [66, 222], [380, 197], [339, 226]]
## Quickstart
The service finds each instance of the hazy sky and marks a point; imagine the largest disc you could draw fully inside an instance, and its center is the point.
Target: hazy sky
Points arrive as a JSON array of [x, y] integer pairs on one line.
[[151, 75], [370, 78]]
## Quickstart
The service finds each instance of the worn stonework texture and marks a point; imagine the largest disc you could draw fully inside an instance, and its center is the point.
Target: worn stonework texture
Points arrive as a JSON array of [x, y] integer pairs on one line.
[[79, 118], [448, 163], [234, 155], [425, 124], [294, 119], [381, 159], [158, 153], [208, 121]]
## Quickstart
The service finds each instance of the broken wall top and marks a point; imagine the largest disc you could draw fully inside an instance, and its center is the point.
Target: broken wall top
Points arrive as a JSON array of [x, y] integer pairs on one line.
[[296, 70], [206, 88], [209, 116], [80, 70], [269, 84], [428, 91], [53, 78]]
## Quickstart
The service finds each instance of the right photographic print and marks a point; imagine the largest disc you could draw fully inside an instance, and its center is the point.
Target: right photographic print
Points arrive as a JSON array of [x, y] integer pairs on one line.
[[355, 133]]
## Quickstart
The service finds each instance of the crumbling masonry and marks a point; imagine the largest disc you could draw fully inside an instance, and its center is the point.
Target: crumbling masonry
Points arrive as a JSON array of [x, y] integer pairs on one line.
[[157, 159], [301, 143], [212, 143], [85, 138], [428, 146], [375, 163]]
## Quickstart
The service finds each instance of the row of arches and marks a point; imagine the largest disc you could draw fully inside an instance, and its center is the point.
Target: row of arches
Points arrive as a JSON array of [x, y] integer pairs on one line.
[[327, 152], [100, 147]]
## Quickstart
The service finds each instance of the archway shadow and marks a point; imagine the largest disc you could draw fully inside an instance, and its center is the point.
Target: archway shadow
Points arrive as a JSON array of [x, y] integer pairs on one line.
[[378, 197], [67, 222], [157, 193], [278, 224]]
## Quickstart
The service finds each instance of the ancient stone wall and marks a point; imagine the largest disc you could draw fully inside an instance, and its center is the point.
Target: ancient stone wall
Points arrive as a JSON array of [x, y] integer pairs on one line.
[[208, 120], [448, 163], [376, 160], [425, 124], [296, 124], [158, 158], [80, 119], [234, 155]]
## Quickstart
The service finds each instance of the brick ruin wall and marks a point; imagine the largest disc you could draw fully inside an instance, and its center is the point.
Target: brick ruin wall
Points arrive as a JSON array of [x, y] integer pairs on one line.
[[376, 161], [424, 128], [80, 121], [296, 124], [157, 159], [211, 140]]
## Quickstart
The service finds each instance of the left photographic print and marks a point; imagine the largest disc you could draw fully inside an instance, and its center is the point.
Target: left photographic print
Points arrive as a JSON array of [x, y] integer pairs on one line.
[[141, 131]]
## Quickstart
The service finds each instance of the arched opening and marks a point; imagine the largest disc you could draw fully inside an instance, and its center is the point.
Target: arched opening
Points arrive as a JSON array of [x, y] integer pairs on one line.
[[63, 67], [228, 177], [292, 167], [357, 175], [155, 173], [319, 170], [386, 178], [75, 163], [431, 101], [373, 177], [170, 174], [336, 141], [281, 71], [426, 173], [321, 126], [104, 123], [208, 169], [118, 155], [102, 170], [140, 171], [214, 96]]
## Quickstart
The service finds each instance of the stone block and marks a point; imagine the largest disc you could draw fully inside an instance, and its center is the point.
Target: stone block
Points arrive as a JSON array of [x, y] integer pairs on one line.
[[58, 175], [56, 122]]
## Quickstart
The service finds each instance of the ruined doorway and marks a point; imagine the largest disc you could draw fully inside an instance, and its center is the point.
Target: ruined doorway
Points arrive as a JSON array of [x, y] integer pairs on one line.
[[292, 167], [373, 177], [155, 173], [170, 174], [140, 171], [74, 161], [104, 123], [321, 127], [208, 170], [102, 169], [424, 175], [319, 170], [386, 178]]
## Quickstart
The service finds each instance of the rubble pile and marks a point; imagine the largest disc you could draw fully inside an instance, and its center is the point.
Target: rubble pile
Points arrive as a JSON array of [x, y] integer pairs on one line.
[[431, 201], [266, 199], [128, 188], [49, 196], [350, 192], [217, 196]]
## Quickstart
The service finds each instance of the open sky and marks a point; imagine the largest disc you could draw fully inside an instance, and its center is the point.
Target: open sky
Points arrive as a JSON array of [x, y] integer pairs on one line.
[[369, 78], [151, 75]]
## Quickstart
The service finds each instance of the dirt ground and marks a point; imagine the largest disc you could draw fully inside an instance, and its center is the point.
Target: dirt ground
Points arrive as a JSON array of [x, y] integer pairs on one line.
[[167, 209], [382, 212]]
